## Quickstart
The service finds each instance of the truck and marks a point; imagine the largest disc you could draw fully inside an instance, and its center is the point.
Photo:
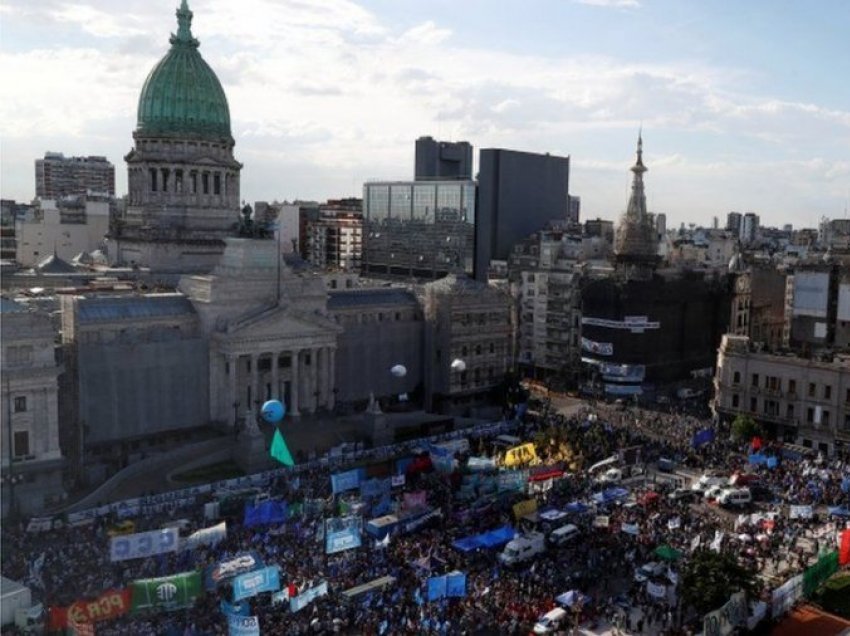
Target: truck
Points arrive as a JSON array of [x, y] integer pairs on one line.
[[522, 548]]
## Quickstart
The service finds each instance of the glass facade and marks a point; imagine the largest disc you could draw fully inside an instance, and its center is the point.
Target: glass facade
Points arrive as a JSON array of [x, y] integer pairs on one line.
[[418, 229]]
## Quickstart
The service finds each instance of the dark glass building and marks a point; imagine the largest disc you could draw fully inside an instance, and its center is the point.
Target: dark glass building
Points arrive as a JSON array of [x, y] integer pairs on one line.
[[443, 159]]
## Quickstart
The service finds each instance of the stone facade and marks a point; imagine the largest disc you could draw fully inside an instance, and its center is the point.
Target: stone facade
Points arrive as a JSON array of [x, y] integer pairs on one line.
[[32, 462], [799, 400]]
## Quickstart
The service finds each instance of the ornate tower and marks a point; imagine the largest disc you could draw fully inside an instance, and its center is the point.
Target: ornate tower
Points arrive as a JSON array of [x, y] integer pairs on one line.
[[635, 245], [183, 178]]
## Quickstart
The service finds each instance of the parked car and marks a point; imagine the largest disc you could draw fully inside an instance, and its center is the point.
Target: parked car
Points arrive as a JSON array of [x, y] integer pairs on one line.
[[522, 548], [735, 498], [682, 494], [564, 534], [713, 492], [709, 479]]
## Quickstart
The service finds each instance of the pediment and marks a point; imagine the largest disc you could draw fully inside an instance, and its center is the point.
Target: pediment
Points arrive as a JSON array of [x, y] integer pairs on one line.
[[283, 324]]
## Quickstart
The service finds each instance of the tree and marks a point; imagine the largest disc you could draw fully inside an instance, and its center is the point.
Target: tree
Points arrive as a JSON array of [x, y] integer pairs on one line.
[[709, 578], [745, 427]]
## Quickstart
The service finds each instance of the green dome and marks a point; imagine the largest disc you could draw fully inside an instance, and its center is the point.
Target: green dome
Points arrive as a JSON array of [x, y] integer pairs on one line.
[[182, 95]]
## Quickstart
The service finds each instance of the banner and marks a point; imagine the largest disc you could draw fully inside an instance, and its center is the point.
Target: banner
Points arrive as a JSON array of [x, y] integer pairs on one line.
[[167, 592], [826, 566], [718, 540], [519, 455], [523, 508], [398, 481], [224, 570], [674, 523], [111, 604], [511, 480], [374, 488], [436, 588], [235, 609], [413, 500], [414, 522], [452, 585], [601, 521], [844, 547], [786, 595], [243, 625], [801, 512], [655, 590], [257, 582], [705, 436], [40, 524], [350, 480], [297, 603], [723, 621], [143, 544], [622, 372], [265, 513], [207, 536], [631, 528], [599, 348], [635, 324], [342, 533]]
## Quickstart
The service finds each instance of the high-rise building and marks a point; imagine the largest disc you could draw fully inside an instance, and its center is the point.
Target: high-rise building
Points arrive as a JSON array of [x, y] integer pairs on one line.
[[418, 229], [660, 225], [335, 239], [575, 209], [519, 193], [183, 178], [58, 176], [749, 228], [442, 159], [733, 222]]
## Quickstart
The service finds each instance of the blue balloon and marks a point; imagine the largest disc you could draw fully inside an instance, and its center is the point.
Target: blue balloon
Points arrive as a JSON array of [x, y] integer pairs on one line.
[[273, 411]]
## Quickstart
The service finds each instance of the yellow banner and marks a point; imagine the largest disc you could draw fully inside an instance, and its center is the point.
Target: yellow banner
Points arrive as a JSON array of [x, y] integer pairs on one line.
[[525, 508], [519, 455]]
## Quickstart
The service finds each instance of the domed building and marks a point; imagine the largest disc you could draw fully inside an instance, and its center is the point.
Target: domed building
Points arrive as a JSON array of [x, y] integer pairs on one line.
[[183, 179]]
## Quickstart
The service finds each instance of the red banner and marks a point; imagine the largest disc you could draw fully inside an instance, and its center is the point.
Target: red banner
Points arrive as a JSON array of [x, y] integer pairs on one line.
[[844, 548], [111, 604]]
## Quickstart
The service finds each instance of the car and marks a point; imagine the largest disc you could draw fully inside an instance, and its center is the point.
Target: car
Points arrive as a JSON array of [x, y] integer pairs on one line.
[[564, 534], [649, 570], [682, 494], [735, 498], [713, 492], [709, 479]]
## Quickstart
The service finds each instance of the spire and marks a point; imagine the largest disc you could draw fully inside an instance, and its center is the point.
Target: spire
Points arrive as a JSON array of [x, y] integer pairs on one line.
[[184, 26], [639, 168]]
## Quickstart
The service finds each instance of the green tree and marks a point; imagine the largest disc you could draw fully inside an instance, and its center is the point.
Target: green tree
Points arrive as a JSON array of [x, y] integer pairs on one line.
[[745, 427], [709, 578]]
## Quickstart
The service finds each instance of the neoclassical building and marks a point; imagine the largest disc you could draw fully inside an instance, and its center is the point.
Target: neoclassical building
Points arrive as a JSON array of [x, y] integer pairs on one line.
[[183, 178]]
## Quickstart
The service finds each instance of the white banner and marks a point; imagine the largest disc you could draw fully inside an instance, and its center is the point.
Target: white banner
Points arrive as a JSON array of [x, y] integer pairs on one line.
[[718, 540], [631, 528], [40, 524], [723, 621], [695, 542], [656, 591], [397, 481], [599, 348], [674, 523], [601, 521], [635, 324], [784, 596], [207, 536], [801, 512], [143, 544]]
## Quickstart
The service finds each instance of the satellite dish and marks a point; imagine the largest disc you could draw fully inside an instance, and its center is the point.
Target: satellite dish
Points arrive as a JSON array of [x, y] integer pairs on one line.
[[458, 365], [399, 371]]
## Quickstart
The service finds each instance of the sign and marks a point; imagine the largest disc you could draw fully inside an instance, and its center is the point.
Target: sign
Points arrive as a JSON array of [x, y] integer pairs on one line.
[[601, 521], [224, 570], [143, 544], [167, 592], [519, 455], [599, 348], [257, 582], [297, 603], [635, 324], [655, 590], [374, 488], [111, 604], [524, 508], [265, 513], [342, 533], [398, 481], [40, 524], [243, 625], [511, 481], [631, 528], [723, 621], [349, 480], [622, 372], [786, 595], [674, 523], [450, 585], [207, 536], [801, 512]]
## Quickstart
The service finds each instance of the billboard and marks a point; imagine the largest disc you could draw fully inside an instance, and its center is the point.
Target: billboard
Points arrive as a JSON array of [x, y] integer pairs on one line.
[[811, 294]]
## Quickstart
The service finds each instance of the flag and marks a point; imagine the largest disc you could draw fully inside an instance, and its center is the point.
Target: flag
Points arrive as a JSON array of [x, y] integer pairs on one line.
[[280, 451]]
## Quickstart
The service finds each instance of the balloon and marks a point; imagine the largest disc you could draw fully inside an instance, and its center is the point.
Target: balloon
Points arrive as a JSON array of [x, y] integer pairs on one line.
[[458, 365], [399, 371], [273, 411]]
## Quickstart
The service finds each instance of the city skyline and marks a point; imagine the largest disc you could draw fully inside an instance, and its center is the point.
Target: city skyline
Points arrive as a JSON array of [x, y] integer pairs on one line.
[[325, 97]]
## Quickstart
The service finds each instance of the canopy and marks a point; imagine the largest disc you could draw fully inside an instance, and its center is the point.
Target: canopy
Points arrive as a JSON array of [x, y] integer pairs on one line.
[[668, 553], [610, 494], [491, 539]]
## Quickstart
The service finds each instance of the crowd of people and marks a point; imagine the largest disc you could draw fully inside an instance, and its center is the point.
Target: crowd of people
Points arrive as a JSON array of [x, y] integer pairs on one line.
[[66, 564]]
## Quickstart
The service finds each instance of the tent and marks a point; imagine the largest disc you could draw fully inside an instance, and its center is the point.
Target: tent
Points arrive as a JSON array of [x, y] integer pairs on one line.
[[668, 553], [610, 495], [492, 539]]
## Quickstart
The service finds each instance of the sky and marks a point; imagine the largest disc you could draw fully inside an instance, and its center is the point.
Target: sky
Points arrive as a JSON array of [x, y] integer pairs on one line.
[[744, 106]]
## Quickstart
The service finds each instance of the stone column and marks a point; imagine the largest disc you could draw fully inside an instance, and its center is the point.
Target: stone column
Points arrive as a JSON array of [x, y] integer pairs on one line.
[[232, 397], [275, 381], [255, 381], [331, 378], [314, 377], [294, 386]]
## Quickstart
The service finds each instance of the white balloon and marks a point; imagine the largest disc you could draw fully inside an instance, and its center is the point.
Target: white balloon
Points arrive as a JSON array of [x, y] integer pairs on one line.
[[458, 365], [399, 371]]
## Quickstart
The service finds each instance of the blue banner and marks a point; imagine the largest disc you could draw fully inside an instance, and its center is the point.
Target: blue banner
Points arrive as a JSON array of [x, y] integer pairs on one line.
[[225, 570], [343, 539], [265, 513], [253, 583], [456, 584], [374, 488], [349, 480], [436, 588], [382, 507], [757, 459], [299, 602], [243, 625], [772, 462], [705, 436], [236, 609]]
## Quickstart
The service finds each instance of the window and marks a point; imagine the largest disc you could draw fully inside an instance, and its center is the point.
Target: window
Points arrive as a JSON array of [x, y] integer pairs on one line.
[[492, 347], [216, 184], [21, 404], [810, 415], [153, 179], [811, 389], [735, 401], [827, 391], [789, 412], [754, 403], [792, 386], [478, 350], [755, 379], [847, 396], [736, 377], [825, 418], [205, 182], [22, 443]]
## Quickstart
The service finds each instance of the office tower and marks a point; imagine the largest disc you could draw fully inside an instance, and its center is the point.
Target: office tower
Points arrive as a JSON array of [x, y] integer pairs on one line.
[[58, 176], [518, 193], [733, 222], [442, 159]]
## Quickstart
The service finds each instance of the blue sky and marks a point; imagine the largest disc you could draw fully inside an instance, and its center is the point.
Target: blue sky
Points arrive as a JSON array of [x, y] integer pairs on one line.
[[744, 105]]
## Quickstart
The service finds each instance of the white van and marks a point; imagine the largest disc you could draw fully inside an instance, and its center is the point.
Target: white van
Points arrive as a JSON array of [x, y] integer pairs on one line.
[[735, 497], [523, 548], [564, 534], [551, 621]]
